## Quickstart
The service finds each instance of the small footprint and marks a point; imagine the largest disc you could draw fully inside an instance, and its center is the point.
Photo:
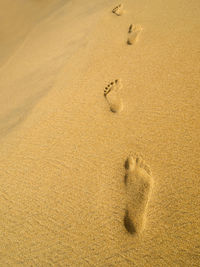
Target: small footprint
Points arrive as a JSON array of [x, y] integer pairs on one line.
[[118, 10], [138, 181], [111, 93], [134, 32]]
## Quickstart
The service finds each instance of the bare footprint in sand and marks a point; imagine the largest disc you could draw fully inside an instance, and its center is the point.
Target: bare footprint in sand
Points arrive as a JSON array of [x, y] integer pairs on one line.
[[118, 10], [111, 93], [134, 32], [139, 183]]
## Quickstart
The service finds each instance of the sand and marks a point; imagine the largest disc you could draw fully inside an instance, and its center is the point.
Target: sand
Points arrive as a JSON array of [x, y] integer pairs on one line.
[[99, 133]]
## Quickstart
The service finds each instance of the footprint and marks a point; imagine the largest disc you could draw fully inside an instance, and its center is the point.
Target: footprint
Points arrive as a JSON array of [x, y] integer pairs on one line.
[[118, 10], [138, 181], [134, 32], [111, 93]]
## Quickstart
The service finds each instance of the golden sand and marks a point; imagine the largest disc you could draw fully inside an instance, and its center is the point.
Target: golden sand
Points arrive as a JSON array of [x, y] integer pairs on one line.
[[99, 133]]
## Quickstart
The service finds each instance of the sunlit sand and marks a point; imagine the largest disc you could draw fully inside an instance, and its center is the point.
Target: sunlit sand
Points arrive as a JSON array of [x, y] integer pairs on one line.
[[99, 133]]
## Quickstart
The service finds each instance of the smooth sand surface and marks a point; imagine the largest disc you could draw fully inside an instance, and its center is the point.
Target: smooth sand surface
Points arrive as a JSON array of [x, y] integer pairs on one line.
[[68, 164]]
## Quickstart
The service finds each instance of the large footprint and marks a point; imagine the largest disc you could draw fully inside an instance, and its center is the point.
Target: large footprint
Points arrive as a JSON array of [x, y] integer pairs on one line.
[[134, 32], [111, 93], [139, 183]]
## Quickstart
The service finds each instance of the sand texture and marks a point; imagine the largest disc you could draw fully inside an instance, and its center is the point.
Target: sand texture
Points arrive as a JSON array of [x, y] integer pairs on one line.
[[99, 133]]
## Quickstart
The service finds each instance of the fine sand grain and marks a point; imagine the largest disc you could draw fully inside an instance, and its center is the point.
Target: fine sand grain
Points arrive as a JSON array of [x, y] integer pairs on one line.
[[99, 133]]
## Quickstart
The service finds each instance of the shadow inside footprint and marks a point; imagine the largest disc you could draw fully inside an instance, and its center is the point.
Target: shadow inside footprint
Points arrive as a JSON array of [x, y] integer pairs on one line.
[[125, 178], [130, 28], [126, 164], [128, 223]]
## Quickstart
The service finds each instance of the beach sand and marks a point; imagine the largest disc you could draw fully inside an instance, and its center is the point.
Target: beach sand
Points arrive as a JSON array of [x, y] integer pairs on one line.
[[99, 133]]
